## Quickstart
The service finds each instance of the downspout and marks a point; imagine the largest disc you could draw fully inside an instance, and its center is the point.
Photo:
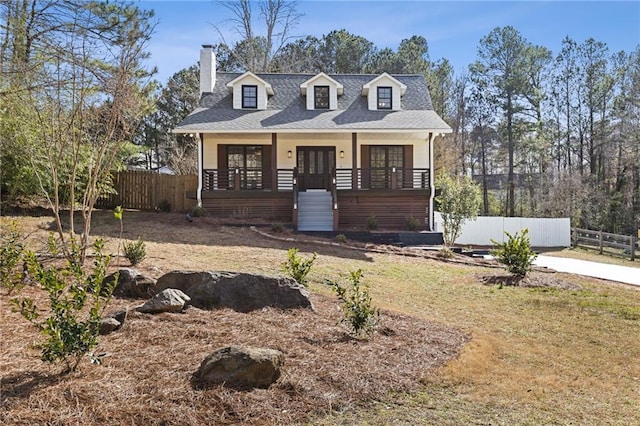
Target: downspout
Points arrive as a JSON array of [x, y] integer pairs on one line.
[[199, 138], [431, 184]]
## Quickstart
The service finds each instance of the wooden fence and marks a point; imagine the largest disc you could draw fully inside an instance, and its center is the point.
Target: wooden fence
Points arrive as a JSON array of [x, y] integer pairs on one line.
[[143, 190], [603, 240]]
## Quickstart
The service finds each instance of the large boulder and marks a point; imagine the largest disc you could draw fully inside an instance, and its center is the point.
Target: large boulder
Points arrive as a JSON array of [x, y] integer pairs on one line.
[[238, 291], [241, 367], [169, 300], [131, 283]]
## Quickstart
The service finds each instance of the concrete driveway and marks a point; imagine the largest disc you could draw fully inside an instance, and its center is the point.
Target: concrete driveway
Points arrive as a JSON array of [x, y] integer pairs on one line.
[[623, 274]]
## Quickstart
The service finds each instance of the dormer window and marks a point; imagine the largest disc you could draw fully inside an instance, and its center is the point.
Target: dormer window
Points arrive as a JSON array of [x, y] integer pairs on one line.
[[321, 97], [250, 92], [385, 96], [249, 96]]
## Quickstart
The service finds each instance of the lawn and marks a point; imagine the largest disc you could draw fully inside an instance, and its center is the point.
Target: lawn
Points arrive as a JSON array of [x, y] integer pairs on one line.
[[542, 355]]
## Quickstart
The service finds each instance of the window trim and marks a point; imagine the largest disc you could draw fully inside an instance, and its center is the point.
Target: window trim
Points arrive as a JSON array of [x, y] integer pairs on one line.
[[390, 97], [245, 97], [316, 97]]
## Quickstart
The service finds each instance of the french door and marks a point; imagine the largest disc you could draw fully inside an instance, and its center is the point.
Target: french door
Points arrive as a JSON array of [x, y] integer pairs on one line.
[[315, 164]]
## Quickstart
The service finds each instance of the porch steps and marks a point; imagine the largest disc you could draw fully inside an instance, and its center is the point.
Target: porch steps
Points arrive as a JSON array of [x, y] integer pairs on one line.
[[315, 211]]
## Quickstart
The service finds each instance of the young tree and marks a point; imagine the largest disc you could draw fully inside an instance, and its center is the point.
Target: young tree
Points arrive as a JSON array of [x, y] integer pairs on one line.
[[459, 201]]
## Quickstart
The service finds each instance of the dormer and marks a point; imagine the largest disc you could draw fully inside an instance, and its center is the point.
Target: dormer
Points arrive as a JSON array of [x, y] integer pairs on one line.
[[250, 92], [384, 93], [322, 92]]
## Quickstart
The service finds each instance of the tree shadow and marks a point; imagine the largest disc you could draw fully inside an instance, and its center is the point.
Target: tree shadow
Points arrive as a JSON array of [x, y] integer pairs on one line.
[[21, 385]]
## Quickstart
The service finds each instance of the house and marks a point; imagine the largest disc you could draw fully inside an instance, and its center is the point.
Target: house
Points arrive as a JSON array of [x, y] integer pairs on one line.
[[324, 152]]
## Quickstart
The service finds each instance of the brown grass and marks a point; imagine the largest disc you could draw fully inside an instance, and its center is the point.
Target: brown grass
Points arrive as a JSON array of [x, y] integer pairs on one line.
[[562, 353]]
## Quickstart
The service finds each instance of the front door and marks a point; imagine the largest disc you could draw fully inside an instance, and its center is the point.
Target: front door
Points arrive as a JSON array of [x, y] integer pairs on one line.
[[315, 164]]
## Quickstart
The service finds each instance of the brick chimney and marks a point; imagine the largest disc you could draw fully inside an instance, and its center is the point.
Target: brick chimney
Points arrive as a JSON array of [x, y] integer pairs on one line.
[[207, 69]]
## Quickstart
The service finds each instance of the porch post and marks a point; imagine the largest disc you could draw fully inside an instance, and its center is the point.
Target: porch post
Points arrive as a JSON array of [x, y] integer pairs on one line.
[[199, 138], [274, 162], [354, 161], [431, 185]]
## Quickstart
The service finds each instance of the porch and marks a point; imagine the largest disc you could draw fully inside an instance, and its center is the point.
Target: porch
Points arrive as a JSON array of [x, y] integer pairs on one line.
[[339, 199]]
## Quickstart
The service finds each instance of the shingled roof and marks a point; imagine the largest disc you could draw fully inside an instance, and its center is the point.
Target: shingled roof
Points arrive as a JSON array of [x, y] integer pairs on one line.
[[286, 109]]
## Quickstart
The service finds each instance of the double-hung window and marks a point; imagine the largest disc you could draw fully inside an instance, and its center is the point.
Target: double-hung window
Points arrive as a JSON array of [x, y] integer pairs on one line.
[[321, 97], [384, 97], [249, 96]]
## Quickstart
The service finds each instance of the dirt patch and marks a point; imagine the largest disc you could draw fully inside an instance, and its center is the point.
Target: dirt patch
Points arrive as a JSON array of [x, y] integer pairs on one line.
[[531, 280], [147, 374]]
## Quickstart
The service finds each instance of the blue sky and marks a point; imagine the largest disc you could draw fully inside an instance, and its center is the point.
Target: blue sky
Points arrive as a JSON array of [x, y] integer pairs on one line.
[[453, 29]]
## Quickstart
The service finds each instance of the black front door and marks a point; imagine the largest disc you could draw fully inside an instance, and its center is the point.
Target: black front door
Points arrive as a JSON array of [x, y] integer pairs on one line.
[[315, 164]]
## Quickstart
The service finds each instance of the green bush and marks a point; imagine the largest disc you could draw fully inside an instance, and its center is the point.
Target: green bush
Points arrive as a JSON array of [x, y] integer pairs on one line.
[[77, 299], [372, 222], [297, 267], [411, 223], [11, 256], [357, 310], [341, 238], [198, 211], [135, 251], [515, 253]]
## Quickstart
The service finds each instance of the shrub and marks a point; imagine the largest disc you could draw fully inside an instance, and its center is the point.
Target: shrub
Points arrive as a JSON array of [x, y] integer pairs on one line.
[[77, 299], [357, 309], [445, 253], [515, 253], [341, 238], [411, 223], [164, 206], [372, 222], [198, 211], [11, 257], [135, 252], [277, 227], [297, 267]]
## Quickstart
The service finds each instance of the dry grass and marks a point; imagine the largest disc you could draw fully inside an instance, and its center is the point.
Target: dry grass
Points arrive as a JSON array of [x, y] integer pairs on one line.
[[616, 258], [542, 355]]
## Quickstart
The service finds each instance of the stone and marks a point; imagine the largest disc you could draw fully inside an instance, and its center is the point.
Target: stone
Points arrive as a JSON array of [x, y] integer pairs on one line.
[[241, 367], [131, 283], [238, 291], [169, 300], [109, 325], [120, 315]]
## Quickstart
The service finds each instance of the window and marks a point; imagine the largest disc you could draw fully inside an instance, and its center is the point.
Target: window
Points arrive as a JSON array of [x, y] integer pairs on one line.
[[248, 160], [249, 96], [382, 160], [384, 97], [321, 97]]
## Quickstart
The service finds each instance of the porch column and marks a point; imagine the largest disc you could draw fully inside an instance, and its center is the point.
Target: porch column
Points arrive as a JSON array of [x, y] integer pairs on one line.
[[199, 139], [274, 162], [432, 189], [354, 161]]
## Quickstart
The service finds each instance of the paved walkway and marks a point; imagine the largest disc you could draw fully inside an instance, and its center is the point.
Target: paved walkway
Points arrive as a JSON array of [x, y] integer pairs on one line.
[[623, 274]]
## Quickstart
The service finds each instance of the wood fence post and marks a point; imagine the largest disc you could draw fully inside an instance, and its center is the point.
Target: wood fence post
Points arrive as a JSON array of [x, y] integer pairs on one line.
[[574, 234], [633, 248], [600, 240]]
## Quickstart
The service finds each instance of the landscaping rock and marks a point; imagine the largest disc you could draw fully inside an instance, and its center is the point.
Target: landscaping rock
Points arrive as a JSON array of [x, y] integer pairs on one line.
[[238, 291], [120, 315], [169, 300], [242, 367], [131, 283], [108, 325]]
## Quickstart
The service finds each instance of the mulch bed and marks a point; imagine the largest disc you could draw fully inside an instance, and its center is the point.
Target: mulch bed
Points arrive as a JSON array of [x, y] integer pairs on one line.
[[531, 280], [146, 378]]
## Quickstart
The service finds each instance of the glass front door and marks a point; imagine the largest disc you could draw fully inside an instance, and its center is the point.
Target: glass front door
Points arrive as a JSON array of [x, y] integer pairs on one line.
[[315, 165]]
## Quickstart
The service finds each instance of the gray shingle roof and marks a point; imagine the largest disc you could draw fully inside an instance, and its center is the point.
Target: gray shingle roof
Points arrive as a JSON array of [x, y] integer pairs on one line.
[[286, 109]]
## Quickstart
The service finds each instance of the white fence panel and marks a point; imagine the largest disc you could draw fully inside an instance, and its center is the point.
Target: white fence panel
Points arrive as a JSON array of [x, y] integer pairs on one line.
[[544, 232]]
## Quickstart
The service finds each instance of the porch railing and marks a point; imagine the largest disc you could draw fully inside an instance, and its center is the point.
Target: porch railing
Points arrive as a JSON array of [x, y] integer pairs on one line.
[[371, 178], [383, 178]]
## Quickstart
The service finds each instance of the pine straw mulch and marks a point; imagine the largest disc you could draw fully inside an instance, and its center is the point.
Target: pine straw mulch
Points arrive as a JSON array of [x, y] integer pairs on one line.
[[531, 280], [147, 376]]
